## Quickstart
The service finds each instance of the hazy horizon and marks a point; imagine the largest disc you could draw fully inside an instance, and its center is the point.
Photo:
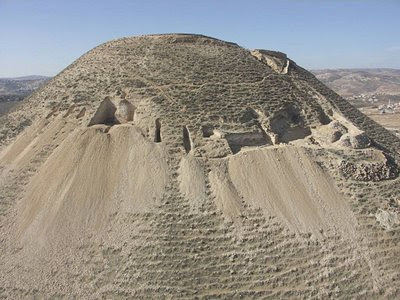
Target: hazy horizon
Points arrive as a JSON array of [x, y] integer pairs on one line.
[[43, 37]]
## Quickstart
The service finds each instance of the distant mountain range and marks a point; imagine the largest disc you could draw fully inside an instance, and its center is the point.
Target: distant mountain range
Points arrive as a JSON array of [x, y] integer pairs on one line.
[[21, 86], [26, 78]]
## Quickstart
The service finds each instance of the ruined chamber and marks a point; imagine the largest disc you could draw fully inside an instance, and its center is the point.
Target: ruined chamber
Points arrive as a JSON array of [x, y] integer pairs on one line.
[[182, 166]]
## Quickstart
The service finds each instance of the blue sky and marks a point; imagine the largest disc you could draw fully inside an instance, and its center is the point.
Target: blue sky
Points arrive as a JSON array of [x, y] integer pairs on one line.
[[43, 37]]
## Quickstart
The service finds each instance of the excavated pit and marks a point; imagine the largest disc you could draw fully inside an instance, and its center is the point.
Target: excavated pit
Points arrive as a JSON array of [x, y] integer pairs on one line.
[[105, 114], [125, 111], [207, 130], [110, 114], [288, 125], [187, 143], [237, 141], [157, 133]]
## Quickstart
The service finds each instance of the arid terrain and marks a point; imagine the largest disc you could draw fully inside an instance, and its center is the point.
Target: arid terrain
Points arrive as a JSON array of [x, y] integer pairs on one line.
[[185, 167], [370, 90], [376, 92], [352, 83], [13, 90]]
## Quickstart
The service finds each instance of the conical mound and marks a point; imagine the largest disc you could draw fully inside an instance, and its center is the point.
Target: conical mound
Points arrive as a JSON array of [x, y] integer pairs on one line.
[[182, 166]]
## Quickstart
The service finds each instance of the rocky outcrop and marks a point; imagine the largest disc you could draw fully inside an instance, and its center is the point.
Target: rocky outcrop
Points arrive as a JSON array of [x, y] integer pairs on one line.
[[388, 219], [330, 133], [277, 61], [369, 171], [357, 140]]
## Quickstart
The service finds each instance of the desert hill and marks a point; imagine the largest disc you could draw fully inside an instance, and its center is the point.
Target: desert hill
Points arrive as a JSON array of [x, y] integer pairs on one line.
[[183, 166], [21, 86], [354, 82], [376, 92]]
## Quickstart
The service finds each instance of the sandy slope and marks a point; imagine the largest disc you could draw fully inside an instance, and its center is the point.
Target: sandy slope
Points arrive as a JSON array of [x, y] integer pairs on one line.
[[95, 177], [285, 182]]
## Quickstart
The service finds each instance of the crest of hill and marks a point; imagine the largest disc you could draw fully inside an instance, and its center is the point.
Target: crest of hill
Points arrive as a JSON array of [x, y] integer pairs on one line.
[[172, 68]]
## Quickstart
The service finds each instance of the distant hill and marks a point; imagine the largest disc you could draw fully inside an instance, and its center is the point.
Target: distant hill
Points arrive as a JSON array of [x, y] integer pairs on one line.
[[15, 89], [376, 92], [26, 78], [21, 85], [351, 83]]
